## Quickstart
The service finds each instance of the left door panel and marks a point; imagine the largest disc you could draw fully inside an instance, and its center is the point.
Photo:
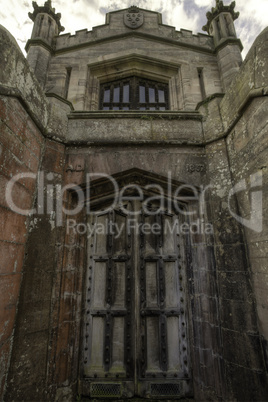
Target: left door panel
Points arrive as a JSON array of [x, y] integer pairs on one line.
[[108, 346]]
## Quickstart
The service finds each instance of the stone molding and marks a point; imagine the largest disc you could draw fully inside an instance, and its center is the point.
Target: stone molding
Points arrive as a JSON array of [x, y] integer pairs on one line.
[[133, 64], [229, 41], [146, 36], [38, 42], [103, 187]]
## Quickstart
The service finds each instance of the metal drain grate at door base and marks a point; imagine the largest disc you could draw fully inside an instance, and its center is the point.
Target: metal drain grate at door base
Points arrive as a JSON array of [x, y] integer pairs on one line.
[[105, 390], [166, 390]]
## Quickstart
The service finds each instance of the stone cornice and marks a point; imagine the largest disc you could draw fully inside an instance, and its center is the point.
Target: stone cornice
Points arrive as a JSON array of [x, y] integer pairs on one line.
[[38, 42], [148, 115], [60, 98], [229, 41], [146, 36], [134, 64], [208, 99], [103, 188]]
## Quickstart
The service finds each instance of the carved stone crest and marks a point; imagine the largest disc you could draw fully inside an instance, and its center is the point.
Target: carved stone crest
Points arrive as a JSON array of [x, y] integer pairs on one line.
[[133, 18]]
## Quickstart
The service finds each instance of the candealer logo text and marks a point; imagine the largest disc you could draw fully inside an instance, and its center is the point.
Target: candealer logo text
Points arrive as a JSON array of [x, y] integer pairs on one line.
[[133, 226], [50, 199]]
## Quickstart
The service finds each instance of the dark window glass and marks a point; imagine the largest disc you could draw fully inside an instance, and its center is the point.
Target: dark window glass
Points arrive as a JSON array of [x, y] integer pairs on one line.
[[116, 95], [134, 93], [40, 25], [151, 95], [67, 82], [201, 83], [106, 96], [161, 96], [126, 94], [142, 94]]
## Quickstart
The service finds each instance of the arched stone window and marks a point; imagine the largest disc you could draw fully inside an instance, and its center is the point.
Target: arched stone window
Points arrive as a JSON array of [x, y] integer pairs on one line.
[[134, 82]]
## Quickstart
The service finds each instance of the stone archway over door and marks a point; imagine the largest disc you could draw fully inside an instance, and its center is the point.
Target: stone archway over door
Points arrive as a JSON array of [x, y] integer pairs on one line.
[[135, 333]]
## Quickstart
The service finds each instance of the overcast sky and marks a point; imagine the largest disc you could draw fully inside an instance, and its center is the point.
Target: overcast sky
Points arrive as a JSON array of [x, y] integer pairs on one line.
[[188, 14]]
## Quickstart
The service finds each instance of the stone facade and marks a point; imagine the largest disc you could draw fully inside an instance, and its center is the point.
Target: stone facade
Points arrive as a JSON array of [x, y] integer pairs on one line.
[[213, 136]]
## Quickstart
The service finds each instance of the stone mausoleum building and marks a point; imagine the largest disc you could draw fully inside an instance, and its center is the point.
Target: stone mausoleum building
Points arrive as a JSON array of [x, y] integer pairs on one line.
[[133, 126]]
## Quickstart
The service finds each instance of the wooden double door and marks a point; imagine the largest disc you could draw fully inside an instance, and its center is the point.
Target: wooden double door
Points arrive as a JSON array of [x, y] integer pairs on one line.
[[135, 338]]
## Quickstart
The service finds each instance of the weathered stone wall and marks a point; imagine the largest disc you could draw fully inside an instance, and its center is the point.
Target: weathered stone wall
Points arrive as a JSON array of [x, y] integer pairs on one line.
[[30, 361], [246, 162], [240, 343], [229, 60], [21, 147], [38, 59], [247, 146], [239, 156], [247, 149], [27, 118]]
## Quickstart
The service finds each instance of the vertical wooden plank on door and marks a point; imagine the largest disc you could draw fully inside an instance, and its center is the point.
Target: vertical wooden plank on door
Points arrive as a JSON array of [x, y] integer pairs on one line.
[[153, 345], [118, 346], [151, 284]]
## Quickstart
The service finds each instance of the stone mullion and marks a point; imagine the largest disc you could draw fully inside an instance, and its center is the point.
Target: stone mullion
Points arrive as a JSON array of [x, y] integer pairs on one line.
[[78, 86], [43, 32], [223, 26], [187, 87], [216, 31], [92, 98]]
